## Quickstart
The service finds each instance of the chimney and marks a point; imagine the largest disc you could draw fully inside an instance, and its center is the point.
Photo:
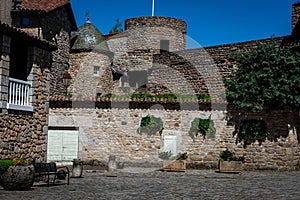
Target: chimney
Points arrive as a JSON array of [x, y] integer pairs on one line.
[[5, 8], [296, 19]]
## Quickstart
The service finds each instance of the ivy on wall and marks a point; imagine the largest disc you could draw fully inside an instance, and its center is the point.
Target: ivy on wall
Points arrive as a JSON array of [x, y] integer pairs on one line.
[[204, 127], [251, 130], [266, 76], [150, 125]]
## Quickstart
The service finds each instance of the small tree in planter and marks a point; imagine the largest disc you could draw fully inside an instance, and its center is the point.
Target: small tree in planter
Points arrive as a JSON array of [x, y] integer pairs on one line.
[[228, 162]]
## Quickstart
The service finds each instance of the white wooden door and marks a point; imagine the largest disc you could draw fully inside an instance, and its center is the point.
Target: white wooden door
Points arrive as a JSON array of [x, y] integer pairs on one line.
[[62, 146]]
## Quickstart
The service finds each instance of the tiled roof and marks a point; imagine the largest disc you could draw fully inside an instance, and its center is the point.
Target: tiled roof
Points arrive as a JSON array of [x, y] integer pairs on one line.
[[106, 99], [88, 36], [101, 102], [46, 5], [13, 31], [116, 35]]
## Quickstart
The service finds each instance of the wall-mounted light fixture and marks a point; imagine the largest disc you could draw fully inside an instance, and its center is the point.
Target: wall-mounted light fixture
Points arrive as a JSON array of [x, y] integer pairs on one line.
[[67, 80]]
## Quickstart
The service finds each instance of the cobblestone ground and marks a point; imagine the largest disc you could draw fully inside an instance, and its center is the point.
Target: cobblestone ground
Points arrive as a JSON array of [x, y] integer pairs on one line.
[[137, 183]]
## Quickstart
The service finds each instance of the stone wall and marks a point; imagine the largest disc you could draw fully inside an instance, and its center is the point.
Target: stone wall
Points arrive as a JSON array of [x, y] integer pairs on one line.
[[167, 70], [222, 55], [5, 8], [296, 18], [104, 132], [84, 82], [177, 73], [167, 22], [113, 131], [118, 44], [151, 37], [147, 32], [4, 68], [137, 60], [24, 134], [199, 71], [56, 27], [110, 127]]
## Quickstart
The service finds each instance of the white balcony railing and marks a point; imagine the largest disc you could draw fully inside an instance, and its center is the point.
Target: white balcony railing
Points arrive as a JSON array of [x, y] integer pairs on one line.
[[18, 95]]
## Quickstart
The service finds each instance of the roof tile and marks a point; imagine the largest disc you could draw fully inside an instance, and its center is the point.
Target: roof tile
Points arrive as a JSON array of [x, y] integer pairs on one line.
[[46, 5], [13, 31]]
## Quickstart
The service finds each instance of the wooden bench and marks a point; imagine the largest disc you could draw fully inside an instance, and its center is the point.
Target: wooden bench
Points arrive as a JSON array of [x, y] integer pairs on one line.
[[47, 169]]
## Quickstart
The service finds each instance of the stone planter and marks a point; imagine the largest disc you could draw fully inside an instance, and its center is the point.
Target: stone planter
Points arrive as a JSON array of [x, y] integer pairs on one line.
[[17, 178], [230, 166], [174, 165]]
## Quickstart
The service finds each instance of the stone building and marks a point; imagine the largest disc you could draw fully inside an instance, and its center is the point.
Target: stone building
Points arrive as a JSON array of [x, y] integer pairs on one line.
[[34, 41], [149, 57], [96, 116]]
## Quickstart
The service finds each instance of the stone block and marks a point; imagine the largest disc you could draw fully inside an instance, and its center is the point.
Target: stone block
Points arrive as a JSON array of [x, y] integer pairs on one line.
[[289, 151]]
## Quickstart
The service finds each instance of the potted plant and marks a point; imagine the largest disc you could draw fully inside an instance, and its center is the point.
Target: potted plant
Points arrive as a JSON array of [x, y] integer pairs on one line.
[[174, 164], [16, 175], [228, 162]]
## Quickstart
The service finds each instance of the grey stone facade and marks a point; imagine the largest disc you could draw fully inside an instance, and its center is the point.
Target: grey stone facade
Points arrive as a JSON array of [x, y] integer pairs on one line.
[[25, 58], [58, 26], [149, 57], [295, 19], [110, 125], [150, 30], [113, 131], [23, 133], [5, 7]]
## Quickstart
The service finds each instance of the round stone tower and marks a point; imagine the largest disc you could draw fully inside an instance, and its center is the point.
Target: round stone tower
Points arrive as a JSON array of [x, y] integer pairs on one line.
[[155, 33], [90, 60]]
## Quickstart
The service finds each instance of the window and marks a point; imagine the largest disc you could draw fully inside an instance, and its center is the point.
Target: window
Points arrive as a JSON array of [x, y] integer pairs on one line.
[[96, 71], [164, 45], [25, 21]]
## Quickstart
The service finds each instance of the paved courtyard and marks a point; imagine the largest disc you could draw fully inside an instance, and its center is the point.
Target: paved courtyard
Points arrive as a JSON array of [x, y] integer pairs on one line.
[[146, 183]]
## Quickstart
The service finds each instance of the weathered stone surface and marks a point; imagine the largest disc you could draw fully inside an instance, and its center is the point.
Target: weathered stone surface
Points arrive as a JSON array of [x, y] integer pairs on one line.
[[121, 139], [17, 178]]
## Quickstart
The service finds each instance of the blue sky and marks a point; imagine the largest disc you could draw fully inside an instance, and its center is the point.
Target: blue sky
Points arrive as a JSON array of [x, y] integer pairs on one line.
[[209, 22]]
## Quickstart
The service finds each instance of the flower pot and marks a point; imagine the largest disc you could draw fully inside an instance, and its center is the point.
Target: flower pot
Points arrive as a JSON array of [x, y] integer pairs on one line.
[[17, 178], [230, 166]]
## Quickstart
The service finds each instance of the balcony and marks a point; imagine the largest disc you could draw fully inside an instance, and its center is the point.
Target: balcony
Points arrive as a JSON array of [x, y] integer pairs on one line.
[[18, 95]]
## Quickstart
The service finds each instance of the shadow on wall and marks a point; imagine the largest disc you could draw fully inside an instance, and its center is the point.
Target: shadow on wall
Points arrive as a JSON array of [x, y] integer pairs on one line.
[[270, 124]]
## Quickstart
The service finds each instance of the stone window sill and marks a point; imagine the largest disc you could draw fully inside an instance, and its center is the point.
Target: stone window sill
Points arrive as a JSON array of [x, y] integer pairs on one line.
[[18, 107]]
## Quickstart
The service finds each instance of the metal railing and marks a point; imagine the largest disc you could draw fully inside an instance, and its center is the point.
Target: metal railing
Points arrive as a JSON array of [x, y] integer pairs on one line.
[[18, 95]]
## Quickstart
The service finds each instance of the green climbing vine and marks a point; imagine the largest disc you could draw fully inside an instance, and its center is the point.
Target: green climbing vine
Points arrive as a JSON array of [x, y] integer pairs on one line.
[[204, 127], [251, 130], [150, 125]]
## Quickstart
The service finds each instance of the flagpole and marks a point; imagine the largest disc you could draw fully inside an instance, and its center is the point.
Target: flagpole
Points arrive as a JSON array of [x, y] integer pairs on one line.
[[152, 8]]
